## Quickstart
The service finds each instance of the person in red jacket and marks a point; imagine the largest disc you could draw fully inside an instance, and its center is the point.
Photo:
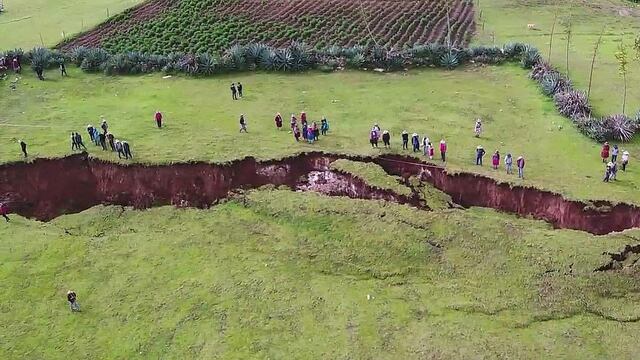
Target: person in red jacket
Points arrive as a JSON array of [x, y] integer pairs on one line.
[[604, 153], [443, 150], [159, 118], [4, 210]]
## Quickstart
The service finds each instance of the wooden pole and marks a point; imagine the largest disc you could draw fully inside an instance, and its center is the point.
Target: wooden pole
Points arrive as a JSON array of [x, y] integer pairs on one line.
[[593, 59]]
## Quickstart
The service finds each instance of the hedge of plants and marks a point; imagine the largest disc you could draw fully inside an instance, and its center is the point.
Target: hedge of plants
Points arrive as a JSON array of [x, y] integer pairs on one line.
[[296, 57]]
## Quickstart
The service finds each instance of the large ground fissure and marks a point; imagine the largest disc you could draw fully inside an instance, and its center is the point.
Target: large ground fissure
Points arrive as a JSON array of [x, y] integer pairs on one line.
[[46, 188]]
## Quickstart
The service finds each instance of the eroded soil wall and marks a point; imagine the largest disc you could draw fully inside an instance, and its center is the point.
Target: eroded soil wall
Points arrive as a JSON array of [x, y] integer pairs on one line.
[[46, 188]]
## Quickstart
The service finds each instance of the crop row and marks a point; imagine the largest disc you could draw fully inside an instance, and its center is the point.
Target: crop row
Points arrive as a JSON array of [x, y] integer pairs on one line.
[[198, 26]]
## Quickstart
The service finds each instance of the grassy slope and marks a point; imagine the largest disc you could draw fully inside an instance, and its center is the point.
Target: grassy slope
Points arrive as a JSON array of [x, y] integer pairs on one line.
[[508, 20], [292, 279], [373, 174], [23, 22], [202, 120]]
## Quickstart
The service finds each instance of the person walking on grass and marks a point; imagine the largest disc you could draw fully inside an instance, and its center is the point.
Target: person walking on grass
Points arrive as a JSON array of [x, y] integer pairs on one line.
[[425, 145], [614, 153], [234, 91], [4, 211], [293, 123], [495, 160], [103, 141], [443, 150], [520, 165], [304, 131], [614, 170], [239, 89], [415, 142], [127, 150], [74, 145], [104, 126], [478, 128], [278, 121], [324, 126], [110, 141], [90, 132], [23, 147], [405, 140], [508, 163], [431, 150], [310, 134], [63, 69], [373, 138], [96, 136], [625, 160], [607, 172], [303, 118], [386, 139], [316, 131], [604, 153], [119, 149], [479, 155], [243, 123], [79, 142], [296, 132], [73, 301], [158, 117]]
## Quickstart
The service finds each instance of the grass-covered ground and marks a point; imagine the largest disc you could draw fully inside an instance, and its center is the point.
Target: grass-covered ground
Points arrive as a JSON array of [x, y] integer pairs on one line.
[[507, 20], [305, 276], [202, 120], [24, 22]]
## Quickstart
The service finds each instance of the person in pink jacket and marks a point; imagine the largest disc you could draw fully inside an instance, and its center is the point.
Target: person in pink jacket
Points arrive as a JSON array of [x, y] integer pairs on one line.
[[443, 150], [495, 160], [520, 164]]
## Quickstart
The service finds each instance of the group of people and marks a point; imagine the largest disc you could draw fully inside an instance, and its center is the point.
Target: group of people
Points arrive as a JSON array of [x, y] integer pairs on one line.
[[611, 168], [236, 90], [427, 147], [309, 132], [495, 161], [10, 64], [102, 138]]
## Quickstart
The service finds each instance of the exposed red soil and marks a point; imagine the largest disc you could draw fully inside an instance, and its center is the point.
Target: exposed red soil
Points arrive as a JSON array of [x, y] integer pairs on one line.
[[140, 13], [46, 188]]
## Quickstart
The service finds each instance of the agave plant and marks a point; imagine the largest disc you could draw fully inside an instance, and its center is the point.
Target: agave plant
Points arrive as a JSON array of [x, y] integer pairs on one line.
[[513, 50], [206, 64], [78, 54], [40, 58], [117, 65], [333, 51], [553, 83], [237, 57], [394, 61], [267, 60], [94, 60], [530, 56], [353, 51], [254, 53], [449, 61], [357, 61], [573, 104], [618, 127], [540, 69]]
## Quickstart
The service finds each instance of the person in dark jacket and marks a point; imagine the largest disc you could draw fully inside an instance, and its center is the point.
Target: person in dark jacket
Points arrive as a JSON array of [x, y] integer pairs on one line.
[[90, 132], [158, 118], [23, 147], [239, 89], [415, 141], [234, 91], [520, 165], [110, 140], [243, 123], [405, 140], [386, 139], [73, 300], [479, 155], [103, 141], [73, 141], [63, 69], [127, 150], [79, 142]]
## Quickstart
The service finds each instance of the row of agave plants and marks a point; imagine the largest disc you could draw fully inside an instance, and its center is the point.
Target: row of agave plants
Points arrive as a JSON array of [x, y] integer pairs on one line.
[[299, 57]]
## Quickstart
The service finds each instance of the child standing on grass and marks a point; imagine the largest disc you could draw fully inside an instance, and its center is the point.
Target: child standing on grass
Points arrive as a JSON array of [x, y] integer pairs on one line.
[[495, 160], [607, 173], [73, 301], [520, 164], [304, 130], [405, 140], [310, 135], [625, 160], [508, 163], [604, 153], [243, 123], [432, 151], [316, 131]]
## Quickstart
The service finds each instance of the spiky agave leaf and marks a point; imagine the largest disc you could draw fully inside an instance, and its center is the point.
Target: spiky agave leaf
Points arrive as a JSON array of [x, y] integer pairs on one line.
[[207, 64], [540, 69], [268, 60], [449, 61], [254, 52], [78, 54], [513, 50], [357, 61], [94, 60], [552, 83], [283, 60], [352, 51], [530, 57], [237, 57], [40, 58], [618, 127], [573, 104]]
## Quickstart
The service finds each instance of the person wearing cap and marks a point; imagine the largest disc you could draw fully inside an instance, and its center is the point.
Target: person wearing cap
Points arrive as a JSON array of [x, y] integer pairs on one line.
[[73, 300], [478, 128], [625, 160], [405, 140], [479, 155], [158, 118], [386, 139], [415, 141], [520, 165], [508, 163], [443, 150]]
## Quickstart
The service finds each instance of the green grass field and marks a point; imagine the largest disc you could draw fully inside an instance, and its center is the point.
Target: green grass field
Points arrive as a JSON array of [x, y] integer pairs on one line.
[[202, 120], [306, 276], [27, 24]]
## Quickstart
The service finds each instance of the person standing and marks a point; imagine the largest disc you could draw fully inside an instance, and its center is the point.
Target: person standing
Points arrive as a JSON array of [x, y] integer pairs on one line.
[[508, 163], [73, 141], [607, 173], [96, 136], [304, 130], [443, 150], [478, 128], [239, 89], [243, 123], [110, 140], [386, 139], [103, 141], [316, 131], [278, 121], [127, 150], [431, 150], [296, 132], [520, 165], [73, 300], [63, 69], [158, 117], [23, 147], [625, 160], [79, 142], [310, 134], [479, 155], [614, 170], [405, 140], [425, 145], [4, 210], [604, 153], [90, 132], [614, 153], [495, 160], [324, 126], [119, 149], [234, 91], [373, 138], [294, 122], [104, 126], [303, 118], [415, 141]]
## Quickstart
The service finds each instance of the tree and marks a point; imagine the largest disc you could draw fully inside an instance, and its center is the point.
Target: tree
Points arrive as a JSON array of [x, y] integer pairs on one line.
[[593, 60], [567, 31], [623, 60], [40, 58], [553, 29]]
